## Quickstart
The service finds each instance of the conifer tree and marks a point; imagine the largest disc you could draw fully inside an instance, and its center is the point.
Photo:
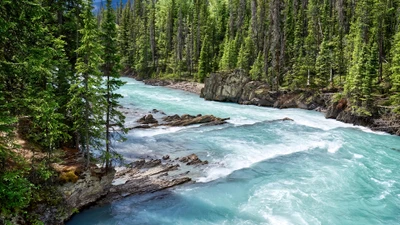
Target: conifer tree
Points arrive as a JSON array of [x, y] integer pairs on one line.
[[246, 52], [87, 101], [204, 61], [395, 70], [324, 64], [229, 57], [111, 68], [257, 69], [359, 83]]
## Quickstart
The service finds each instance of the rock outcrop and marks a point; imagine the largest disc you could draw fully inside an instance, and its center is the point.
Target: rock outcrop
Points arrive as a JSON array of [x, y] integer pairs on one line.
[[144, 177], [225, 87], [186, 120], [383, 119], [73, 196], [149, 121], [235, 86], [88, 189]]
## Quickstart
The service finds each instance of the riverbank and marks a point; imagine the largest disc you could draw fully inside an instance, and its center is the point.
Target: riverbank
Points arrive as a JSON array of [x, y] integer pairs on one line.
[[235, 86], [185, 85]]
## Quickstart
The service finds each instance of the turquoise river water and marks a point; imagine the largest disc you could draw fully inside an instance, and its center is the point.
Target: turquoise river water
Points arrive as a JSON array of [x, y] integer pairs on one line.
[[307, 171]]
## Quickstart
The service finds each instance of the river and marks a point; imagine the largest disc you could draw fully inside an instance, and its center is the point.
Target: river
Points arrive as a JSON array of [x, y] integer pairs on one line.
[[307, 171]]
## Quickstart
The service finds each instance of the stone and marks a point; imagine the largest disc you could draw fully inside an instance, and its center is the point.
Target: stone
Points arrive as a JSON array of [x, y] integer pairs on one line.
[[192, 159], [148, 119]]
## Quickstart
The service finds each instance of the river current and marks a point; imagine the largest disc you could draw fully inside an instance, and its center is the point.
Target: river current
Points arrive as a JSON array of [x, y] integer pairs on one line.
[[308, 171]]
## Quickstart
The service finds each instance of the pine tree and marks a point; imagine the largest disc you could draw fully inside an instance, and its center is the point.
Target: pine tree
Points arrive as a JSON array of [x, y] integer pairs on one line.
[[111, 67], [229, 56], [246, 52], [395, 70], [257, 69], [124, 35], [311, 42], [204, 61], [362, 73], [86, 91], [324, 64]]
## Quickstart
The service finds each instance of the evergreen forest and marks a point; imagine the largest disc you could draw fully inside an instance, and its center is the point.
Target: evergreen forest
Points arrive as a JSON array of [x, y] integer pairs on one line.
[[60, 63]]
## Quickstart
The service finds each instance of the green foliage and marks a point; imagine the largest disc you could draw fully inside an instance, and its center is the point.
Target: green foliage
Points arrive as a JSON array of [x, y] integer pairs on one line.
[[363, 69], [87, 102], [395, 69], [48, 126], [15, 192], [324, 64], [205, 66], [111, 69], [257, 70], [246, 57], [229, 56]]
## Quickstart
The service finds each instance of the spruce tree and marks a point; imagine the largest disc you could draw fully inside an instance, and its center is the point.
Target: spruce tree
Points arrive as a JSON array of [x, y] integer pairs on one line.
[[229, 57], [87, 102], [246, 52], [363, 64], [111, 68], [204, 61], [257, 69], [395, 72], [324, 64]]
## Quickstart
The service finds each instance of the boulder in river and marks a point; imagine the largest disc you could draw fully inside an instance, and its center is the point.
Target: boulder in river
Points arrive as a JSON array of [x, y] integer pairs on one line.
[[193, 159], [187, 120], [148, 119]]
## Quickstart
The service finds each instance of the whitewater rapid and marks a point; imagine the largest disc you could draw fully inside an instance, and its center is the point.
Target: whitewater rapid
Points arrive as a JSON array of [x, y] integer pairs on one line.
[[261, 171]]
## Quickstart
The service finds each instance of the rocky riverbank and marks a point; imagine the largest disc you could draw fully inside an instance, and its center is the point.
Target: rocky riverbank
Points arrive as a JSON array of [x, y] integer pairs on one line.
[[79, 189], [235, 86]]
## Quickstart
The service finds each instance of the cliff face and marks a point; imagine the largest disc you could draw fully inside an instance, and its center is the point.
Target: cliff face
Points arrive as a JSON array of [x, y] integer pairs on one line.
[[235, 86], [87, 190]]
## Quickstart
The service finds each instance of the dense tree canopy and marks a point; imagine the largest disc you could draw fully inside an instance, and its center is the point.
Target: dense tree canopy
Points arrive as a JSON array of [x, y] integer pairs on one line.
[[293, 43]]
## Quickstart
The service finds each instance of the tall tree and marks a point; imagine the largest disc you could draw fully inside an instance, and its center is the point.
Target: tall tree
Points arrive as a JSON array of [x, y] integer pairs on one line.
[[205, 60], [395, 70], [111, 69], [87, 94]]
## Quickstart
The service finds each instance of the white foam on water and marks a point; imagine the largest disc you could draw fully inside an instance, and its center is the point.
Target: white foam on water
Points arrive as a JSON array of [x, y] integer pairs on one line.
[[368, 130], [333, 147], [383, 195], [244, 154], [277, 220], [320, 123], [388, 183], [358, 156], [242, 121], [156, 131]]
